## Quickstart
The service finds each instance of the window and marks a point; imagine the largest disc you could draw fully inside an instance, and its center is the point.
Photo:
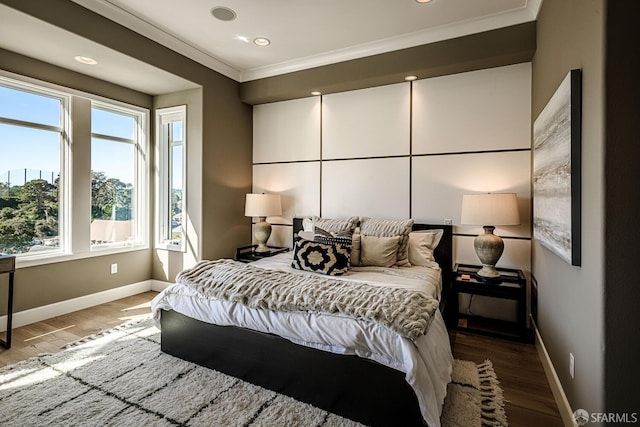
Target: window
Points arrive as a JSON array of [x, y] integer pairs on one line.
[[171, 157], [41, 220], [117, 176], [34, 147]]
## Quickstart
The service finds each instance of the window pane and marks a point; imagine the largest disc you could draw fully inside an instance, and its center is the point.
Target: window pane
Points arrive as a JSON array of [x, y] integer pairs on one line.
[[112, 191], [171, 230], [29, 172], [176, 194], [176, 131], [112, 124], [20, 105]]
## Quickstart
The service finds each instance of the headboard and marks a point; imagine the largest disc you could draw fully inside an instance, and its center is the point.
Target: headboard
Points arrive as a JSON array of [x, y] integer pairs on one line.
[[443, 252]]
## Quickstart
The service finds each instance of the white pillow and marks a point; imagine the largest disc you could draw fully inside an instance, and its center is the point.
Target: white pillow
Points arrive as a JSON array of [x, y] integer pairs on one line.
[[379, 251], [421, 246], [306, 235]]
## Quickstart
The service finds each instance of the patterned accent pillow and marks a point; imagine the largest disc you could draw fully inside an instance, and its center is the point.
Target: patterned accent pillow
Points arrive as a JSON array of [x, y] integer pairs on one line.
[[332, 260], [390, 228], [343, 238]]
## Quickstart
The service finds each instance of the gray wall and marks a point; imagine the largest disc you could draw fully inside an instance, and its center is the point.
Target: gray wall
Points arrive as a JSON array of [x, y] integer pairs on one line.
[[570, 35], [503, 46], [225, 161]]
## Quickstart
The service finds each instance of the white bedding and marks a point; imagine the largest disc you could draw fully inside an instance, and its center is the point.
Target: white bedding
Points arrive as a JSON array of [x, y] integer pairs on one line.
[[427, 361]]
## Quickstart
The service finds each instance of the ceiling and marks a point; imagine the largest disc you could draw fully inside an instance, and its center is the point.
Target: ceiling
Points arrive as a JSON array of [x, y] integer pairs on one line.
[[305, 33], [37, 39]]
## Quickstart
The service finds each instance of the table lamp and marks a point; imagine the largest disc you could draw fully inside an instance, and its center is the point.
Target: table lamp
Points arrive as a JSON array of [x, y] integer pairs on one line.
[[485, 209], [262, 206]]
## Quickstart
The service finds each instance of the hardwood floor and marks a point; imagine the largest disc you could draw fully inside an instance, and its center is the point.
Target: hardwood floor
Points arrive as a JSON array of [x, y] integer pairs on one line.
[[529, 400], [528, 396], [50, 336]]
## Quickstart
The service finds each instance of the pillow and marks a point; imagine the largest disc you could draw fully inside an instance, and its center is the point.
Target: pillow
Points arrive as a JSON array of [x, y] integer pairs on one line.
[[348, 224], [307, 235], [355, 247], [379, 251], [317, 257], [421, 247], [389, 228], [343, 238]]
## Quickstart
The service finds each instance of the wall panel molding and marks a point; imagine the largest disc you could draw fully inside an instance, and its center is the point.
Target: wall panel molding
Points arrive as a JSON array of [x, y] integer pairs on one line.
[[357, 171]]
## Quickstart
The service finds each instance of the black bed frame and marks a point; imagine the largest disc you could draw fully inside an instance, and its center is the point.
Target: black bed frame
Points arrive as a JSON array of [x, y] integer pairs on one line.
[[347, 385]]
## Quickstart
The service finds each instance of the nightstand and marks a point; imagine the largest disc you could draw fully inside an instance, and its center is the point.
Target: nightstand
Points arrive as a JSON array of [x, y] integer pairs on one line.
[[8, 265], [512, 286], [247, 254]]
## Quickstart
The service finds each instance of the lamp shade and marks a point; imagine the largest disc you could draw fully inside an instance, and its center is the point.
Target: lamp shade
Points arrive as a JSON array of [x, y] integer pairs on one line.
[[490, 209], [262, 205]]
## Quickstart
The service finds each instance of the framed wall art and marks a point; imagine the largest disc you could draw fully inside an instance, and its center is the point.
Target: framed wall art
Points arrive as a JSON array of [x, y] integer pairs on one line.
[[557, 134]]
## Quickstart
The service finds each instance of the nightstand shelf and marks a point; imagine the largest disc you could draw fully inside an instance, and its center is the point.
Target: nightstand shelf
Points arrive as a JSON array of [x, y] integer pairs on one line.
[[247, 253], [512, 286]]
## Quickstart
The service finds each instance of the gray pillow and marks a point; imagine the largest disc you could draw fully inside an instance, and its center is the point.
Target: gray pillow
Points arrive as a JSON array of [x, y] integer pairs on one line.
[[331, 225]]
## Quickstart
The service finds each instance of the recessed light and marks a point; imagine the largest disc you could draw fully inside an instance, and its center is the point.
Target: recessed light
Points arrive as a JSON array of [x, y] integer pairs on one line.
[[85, 60], [223, 13], [423, 1], [316, 93], [411, 78], [262, 41]]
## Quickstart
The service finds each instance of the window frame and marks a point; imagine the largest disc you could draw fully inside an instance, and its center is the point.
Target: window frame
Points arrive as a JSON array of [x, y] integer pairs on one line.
[[164, 174], [141, 186], [76, 221], [64, 186]]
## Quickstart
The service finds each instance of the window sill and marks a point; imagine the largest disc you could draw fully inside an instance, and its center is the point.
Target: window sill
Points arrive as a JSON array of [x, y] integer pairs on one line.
[[63, 257], [170, 247]]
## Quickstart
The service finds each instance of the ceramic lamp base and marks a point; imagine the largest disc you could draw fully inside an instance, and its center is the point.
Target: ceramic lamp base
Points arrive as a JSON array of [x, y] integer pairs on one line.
[[262, 231], [489, 248]]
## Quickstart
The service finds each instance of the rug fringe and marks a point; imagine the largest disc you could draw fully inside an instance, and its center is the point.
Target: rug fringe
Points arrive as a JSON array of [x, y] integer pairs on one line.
[[492, 406]]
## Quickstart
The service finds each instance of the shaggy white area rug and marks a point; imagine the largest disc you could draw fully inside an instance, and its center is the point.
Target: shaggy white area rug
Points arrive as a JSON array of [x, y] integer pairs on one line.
[[121, 378]]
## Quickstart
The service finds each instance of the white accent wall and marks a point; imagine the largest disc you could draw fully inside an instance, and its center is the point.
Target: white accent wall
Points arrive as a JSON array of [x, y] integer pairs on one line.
[[404, 150]]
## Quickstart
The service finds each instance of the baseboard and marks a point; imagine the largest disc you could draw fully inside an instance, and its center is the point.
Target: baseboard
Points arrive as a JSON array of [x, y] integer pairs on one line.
[[159, 285], [554, 381], [39, 314]]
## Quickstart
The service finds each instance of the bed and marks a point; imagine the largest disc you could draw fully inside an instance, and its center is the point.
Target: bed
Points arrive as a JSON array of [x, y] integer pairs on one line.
[[360, 384]]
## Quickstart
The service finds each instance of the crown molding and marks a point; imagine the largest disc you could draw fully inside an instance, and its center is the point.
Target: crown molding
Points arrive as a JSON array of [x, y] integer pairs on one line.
[[140, 26], [431, 35], [458, 29]]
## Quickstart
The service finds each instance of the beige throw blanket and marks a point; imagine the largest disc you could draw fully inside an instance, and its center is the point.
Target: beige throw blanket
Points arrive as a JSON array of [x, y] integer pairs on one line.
[[405, 311]]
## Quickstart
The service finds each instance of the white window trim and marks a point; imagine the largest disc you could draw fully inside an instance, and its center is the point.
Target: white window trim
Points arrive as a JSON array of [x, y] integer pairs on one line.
[[64, 198], [164, 116], [141, 223], [74, 251]]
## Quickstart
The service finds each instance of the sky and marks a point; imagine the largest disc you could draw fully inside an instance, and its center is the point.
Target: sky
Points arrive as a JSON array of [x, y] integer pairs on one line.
[[35, 149]]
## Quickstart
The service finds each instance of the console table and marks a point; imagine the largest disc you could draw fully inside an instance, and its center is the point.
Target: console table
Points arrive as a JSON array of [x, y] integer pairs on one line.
[[8, 265]]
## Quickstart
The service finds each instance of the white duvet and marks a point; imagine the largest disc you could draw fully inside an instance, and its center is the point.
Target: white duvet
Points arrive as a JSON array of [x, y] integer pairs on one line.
[[427, 361]]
